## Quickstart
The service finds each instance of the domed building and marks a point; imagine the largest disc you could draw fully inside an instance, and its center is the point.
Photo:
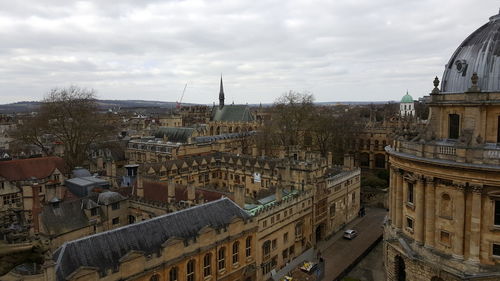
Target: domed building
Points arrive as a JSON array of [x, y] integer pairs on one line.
[[444, 219], [407, 106]]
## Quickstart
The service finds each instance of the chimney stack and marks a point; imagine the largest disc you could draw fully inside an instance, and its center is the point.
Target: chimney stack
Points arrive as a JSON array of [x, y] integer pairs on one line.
[[279, 193], [191, 194], [36, 208], [171, 191], [348, 162], [239, 195]]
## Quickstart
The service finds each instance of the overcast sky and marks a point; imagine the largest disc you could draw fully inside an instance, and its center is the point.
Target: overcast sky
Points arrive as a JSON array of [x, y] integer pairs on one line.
[[339, 50]]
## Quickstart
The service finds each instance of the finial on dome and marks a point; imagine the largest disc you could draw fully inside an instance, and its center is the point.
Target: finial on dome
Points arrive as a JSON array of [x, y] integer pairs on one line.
[[436, 84], [474, 79]]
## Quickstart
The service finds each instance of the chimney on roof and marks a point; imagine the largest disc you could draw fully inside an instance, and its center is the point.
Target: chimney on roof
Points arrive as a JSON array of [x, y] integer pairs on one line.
[[171, 191], [36, 208], [279, 193], [348, 162], [239, 195], [139, 184], [191, 194], [329, 159]]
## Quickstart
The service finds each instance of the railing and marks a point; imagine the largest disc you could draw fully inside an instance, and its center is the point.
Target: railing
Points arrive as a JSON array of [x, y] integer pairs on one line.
[[485, 154], [447, 150]]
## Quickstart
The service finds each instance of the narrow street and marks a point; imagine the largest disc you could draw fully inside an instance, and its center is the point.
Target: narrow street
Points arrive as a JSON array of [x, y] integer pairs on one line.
[[340, 253]]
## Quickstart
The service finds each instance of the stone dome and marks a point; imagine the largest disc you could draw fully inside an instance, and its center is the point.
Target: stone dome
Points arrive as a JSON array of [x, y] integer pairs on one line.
[[407, 98], [479, 53]]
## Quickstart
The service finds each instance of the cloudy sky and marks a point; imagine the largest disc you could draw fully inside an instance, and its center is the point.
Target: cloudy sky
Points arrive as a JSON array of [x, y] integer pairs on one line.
[[338, 50]]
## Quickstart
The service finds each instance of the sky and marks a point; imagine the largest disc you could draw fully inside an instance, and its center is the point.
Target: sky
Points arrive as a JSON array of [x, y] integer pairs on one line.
[[338, 50]]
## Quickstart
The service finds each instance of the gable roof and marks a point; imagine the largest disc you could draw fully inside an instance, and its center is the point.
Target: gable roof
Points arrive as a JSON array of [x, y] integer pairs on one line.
[[104, 250], [24, 169], [232, 113]]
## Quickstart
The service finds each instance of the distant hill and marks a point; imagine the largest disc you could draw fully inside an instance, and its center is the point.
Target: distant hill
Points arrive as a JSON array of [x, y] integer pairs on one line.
[[29, 106]]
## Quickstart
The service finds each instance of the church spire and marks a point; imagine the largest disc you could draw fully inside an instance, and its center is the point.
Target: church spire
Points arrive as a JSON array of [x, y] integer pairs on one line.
[[221, 94]]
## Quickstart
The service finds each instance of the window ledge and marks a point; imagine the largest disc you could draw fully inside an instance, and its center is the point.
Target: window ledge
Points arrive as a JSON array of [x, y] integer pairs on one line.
[[236, 265], [410, 206], [410, 230], [495, 228], [222, 271], [449, 218]]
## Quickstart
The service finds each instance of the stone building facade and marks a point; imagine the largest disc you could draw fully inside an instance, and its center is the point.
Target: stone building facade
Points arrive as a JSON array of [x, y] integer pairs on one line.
[[445, 184], [217, 243]]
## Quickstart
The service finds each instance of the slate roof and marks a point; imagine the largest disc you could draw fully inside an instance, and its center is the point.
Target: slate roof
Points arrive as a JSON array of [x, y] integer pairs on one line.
[[24, 169], [232, 113], [175, 134], [66, 217], [104, 250]]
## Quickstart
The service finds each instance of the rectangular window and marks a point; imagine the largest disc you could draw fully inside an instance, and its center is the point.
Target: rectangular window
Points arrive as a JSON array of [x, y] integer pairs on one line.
[[410, 193], [444, 237], [264, 223], [115, 206], [332, 210], [285, 237], [496, 250], [116, 220], [236, 250], [93, 212], [497, 212], [409, 223], [285, 254], [248, 246], [274, 244], [222, 258], [498, 130], [454, 126]]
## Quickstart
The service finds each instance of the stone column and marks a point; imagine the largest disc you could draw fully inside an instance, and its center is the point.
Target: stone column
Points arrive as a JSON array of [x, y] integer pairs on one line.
[[394, 179], [430, 212], [459, 220], [475, 224], [391, 195], [419, 210], [399, 200]]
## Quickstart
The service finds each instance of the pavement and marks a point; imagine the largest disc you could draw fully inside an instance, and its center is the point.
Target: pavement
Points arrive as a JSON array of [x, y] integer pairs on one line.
[[340, 253]]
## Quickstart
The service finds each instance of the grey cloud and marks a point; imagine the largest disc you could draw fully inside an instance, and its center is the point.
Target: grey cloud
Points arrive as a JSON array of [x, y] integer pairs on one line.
[[338, 50]]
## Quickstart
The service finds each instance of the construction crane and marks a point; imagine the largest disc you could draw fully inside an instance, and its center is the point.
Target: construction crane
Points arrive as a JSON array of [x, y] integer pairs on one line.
[[179, 103]]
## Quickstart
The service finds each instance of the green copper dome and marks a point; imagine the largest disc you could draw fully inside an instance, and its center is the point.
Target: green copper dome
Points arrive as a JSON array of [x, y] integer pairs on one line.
[[407, 99]]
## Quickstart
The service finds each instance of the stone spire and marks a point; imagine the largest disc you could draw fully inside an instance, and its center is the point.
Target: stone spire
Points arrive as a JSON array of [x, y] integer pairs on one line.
[[221, 94]]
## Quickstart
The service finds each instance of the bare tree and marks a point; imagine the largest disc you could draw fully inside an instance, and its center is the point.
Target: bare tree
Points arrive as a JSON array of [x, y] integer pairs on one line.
[[71, 116], [292, 117]]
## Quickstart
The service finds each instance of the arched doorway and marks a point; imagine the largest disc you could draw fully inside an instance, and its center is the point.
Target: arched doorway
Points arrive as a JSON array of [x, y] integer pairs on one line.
[[399, 265], [320, 232]]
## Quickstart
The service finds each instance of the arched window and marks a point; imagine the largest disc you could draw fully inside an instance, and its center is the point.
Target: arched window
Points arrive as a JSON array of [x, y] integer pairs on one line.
[[248, 246], [445, 206], [236, 250], [222, 258], [172, 274], [190, 270], [400, 270], [207, 265], [155, 277], [266, 248]]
